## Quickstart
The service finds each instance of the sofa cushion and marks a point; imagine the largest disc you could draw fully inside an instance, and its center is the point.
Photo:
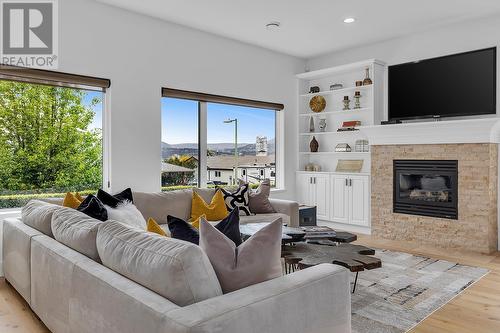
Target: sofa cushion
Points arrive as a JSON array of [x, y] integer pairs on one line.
[[237, 198], [183, 230], [127, 213], [177, 270], [94, 208], [261, 218], [159, 205], [113, 200], [152, 226], [215, 210], [72, 200], [258, 201], [256, 260], [76, 230], [38, 215]]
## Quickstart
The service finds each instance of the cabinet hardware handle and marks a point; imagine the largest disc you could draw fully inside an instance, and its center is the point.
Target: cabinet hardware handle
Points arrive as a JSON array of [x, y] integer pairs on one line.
[[350, 182], [314, 180], [346, 182]]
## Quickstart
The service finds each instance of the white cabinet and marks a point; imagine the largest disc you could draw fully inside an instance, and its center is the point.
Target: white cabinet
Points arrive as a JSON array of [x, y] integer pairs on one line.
[[314, 190], [340, 199], [350, 199], [359, 197], [304, 184]]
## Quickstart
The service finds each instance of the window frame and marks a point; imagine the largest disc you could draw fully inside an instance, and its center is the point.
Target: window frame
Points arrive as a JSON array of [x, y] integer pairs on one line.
[[71, 81], [203, 99]]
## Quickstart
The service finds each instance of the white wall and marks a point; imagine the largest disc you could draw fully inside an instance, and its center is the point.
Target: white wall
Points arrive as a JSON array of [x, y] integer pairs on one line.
[[140, 54], [450, 39], [456, 38]]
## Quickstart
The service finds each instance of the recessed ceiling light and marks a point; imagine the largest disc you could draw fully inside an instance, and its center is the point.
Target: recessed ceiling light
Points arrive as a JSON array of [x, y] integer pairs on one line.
[[273, 26], [349, 20]]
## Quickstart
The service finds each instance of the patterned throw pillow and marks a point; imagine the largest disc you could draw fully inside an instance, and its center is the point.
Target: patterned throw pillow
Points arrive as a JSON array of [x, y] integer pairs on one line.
[[239, 199]]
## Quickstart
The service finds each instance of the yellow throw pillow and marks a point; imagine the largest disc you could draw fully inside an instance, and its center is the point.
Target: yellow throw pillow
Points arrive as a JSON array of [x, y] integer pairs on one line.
[[155, 227], [72, 200], [196, 223], [215, 211]]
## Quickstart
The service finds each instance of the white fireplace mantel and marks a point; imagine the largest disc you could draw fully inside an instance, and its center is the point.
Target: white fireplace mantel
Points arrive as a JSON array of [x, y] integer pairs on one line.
[[486, 130]]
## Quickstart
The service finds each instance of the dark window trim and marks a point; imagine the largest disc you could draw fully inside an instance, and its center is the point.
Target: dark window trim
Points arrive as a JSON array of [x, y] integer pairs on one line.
[[210, 98], [52, 78]]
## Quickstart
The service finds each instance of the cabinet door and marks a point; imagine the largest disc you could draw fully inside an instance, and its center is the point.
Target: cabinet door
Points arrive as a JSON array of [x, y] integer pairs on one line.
[[359, 196], [321, 196], [304, 184], [339, 199]]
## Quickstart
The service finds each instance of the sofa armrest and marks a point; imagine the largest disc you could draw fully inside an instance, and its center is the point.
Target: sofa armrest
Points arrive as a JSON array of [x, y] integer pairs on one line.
[[315, 299], [288, 207]]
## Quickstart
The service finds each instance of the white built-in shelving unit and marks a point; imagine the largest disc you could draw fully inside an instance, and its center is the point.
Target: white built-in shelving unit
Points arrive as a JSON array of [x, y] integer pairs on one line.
[[349, 205]]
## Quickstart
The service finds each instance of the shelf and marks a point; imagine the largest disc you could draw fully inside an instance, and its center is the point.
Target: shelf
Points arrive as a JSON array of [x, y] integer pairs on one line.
[[343, 90], [334, 112], [327, 72], [332, 132], [336, 153]]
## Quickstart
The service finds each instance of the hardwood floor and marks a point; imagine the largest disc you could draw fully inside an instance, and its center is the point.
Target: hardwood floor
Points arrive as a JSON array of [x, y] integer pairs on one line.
[[15, 314], [475, 310]]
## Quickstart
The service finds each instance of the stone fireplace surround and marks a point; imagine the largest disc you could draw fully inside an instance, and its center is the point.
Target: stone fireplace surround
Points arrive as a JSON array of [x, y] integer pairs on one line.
[[477, 154]]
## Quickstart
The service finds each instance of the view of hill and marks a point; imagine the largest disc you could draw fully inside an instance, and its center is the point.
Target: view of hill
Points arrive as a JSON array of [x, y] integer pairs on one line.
[[224, 148]]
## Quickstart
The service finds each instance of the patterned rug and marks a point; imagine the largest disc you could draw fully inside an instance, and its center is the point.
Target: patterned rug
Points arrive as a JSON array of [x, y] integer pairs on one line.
[[406, 290]]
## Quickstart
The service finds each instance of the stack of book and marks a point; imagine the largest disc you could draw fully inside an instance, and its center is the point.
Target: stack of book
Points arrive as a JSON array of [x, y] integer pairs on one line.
[[349, 126]]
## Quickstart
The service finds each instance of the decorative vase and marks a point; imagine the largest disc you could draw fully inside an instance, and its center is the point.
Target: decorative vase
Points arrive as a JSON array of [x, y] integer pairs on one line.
[[367, 81], [357, 103], [314, 145], [346, 102], [322, 124], [311, 124]]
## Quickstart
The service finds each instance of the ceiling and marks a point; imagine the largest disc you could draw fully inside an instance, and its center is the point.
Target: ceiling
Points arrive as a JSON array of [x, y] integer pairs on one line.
[[314, 27]]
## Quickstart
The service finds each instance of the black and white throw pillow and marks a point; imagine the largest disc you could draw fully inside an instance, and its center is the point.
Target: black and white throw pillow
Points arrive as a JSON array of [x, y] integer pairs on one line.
[[239, 199]]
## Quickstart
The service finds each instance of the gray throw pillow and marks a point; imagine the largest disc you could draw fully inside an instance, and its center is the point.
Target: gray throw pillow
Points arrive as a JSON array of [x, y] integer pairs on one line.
[[256, 260], [76, 230], [177, 270], [38, 215], [258, 200]]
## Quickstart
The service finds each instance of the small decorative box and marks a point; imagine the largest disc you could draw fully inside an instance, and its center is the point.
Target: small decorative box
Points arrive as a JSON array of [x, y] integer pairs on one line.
[[343, 147], [361, 146]]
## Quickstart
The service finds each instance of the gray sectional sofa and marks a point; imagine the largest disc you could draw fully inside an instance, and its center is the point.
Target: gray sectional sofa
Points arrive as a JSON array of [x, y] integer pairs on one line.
[[169, 288]]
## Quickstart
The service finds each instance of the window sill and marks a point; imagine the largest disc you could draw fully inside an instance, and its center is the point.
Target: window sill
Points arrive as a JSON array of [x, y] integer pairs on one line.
[[278, 190]]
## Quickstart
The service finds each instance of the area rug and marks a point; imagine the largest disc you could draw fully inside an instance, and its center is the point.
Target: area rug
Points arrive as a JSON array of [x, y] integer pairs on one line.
[[407, 289]]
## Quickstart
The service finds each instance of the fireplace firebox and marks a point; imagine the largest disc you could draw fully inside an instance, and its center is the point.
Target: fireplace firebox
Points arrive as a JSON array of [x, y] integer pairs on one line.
[[426, 187]]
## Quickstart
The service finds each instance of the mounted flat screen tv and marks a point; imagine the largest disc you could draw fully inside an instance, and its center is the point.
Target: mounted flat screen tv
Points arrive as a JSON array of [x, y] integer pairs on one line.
[[457, 85]]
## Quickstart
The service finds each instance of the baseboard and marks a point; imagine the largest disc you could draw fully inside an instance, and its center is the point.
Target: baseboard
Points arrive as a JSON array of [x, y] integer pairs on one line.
[[346, 227]]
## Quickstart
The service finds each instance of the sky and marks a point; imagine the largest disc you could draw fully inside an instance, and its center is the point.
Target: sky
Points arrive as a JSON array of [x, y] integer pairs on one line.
[[87, 100], [180, 122]]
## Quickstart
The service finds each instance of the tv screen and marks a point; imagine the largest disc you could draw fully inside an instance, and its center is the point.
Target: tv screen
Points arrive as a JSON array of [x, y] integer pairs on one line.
[[457, 85]]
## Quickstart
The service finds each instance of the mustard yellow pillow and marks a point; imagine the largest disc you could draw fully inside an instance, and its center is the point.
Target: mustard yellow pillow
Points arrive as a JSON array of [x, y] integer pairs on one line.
[[196, 223], [215, 211], [72, 200], [152, 226]]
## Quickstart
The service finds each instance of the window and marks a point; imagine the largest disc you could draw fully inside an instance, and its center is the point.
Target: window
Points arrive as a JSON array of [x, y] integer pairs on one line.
[[179, 146], [51, 134], [233, 138]]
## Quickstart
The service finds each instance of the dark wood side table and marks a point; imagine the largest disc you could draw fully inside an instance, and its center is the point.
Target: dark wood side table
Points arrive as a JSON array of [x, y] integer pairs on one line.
[[356, 258]]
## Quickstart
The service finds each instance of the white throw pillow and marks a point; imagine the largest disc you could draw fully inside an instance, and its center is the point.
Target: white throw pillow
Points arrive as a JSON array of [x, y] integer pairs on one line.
[[127, 213], [256, 260]]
